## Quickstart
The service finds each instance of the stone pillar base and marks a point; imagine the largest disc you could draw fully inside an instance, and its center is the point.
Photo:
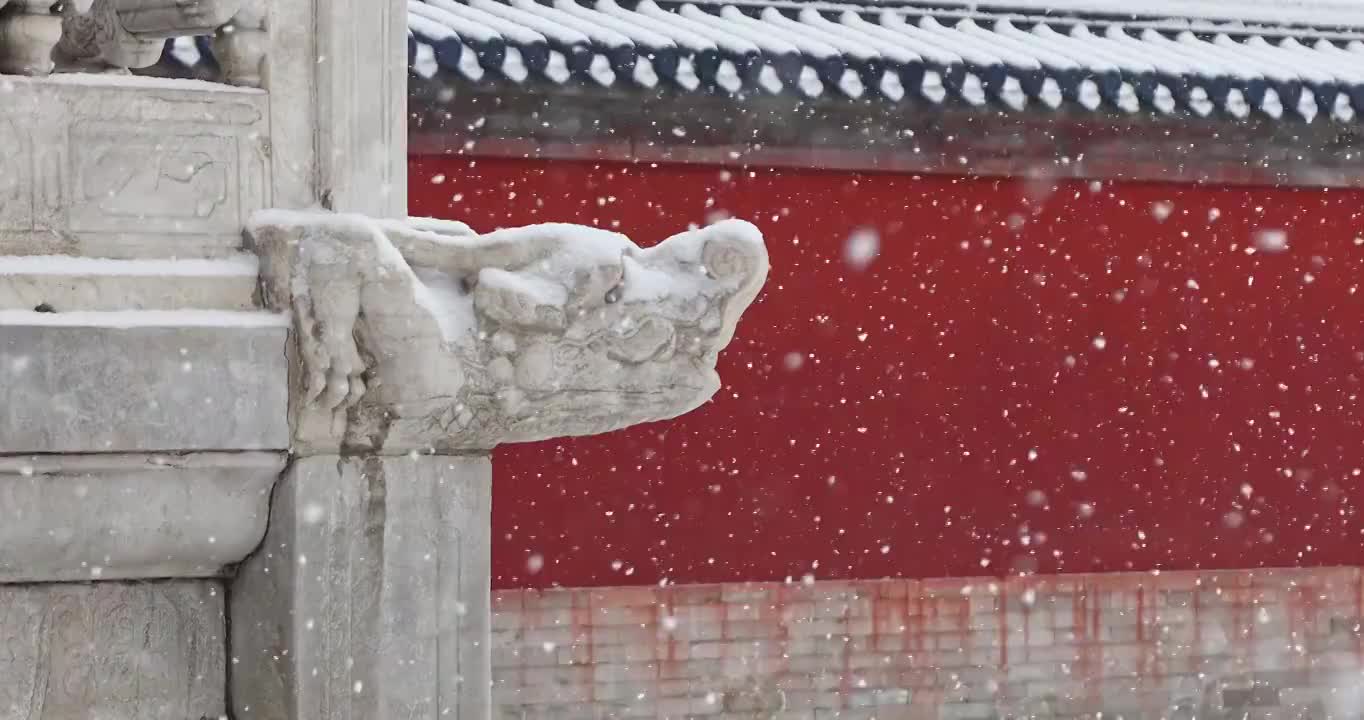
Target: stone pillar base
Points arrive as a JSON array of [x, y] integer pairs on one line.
[[369, 598]]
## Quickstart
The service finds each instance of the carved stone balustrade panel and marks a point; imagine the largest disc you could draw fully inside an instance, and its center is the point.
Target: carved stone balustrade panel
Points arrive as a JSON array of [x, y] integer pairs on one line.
[[125, 167]]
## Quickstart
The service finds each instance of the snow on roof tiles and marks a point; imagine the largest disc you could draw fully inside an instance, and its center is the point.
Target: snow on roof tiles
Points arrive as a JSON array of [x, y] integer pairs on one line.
[[1298, 60]]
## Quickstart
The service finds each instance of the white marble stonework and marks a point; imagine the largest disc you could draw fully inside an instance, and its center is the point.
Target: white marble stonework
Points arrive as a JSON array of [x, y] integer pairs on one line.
[[116, 167], [236, 377], [426, 336], [115, 651], [85, 517], [142, 381], [378, 588]]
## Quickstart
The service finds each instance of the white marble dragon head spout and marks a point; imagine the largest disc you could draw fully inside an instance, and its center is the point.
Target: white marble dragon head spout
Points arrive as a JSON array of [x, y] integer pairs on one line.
[[424, 335]]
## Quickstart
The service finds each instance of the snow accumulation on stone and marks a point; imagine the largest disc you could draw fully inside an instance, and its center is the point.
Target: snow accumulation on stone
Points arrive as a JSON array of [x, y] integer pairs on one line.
[[139, 81], [236, 266], [126, 319], [1090, 52], [535, 261], [1307, 12]]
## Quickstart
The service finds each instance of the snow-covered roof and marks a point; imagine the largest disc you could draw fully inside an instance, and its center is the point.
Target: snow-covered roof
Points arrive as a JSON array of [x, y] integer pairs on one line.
[[1301, 60]]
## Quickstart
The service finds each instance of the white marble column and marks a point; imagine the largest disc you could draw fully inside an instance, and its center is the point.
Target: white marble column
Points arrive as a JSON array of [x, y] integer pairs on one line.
[[337, 73], [369, 598]]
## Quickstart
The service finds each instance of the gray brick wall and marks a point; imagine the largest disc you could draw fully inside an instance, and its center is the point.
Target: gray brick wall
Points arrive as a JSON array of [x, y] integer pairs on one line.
[[1248, 645]]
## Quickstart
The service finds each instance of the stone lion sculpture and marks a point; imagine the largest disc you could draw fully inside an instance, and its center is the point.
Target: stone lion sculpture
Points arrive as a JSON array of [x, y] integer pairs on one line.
[[423, 335]]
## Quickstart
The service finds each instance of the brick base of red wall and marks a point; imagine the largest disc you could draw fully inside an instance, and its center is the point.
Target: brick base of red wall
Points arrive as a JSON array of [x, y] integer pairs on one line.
[[1252, 645]]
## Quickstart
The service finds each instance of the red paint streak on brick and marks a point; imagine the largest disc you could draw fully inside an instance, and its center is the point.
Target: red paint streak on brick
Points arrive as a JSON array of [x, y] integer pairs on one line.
[[1197, 626], [1141, 614], [876, 620], [913, 628], [963, 623], [1307, 605], [1002, 609], [1079, 619], [845, 682], [521, 656], [1359, 615], [1095, 648], [665, 609], [581, 622], [724, 620], [1297, 600], [775, 614], [1143, 648]]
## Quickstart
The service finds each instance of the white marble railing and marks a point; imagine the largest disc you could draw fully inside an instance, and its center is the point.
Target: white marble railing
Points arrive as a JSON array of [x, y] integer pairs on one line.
[[39, 37]]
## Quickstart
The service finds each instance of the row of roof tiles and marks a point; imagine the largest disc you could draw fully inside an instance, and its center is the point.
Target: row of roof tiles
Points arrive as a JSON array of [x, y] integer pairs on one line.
[[890, 55]]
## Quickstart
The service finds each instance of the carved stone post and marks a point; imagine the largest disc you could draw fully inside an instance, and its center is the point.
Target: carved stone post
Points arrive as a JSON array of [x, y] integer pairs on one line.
[[241, 46], [28, 32], [420, 347]]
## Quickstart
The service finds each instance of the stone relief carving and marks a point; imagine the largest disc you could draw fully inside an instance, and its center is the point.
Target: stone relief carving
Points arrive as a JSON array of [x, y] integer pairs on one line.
[[168, 182], [152, 651], [134, 167], [424, 335], [121, 178]]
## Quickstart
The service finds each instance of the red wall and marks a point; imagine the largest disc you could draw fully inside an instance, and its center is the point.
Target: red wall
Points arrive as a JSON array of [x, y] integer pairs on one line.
[[1219, 426]]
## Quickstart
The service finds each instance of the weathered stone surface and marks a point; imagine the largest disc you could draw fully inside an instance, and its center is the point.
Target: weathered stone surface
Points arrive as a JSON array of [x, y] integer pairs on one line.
[[96, 38], [65, 284], [425, 336], [87, 517], [153, 381], [112, 651], [241, 46], [361, 91], [27, 34], [368, 599], [129, 167]]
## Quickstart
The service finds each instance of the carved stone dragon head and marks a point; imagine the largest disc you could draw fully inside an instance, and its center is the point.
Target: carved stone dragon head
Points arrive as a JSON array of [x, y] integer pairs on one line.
[[424, 335]]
